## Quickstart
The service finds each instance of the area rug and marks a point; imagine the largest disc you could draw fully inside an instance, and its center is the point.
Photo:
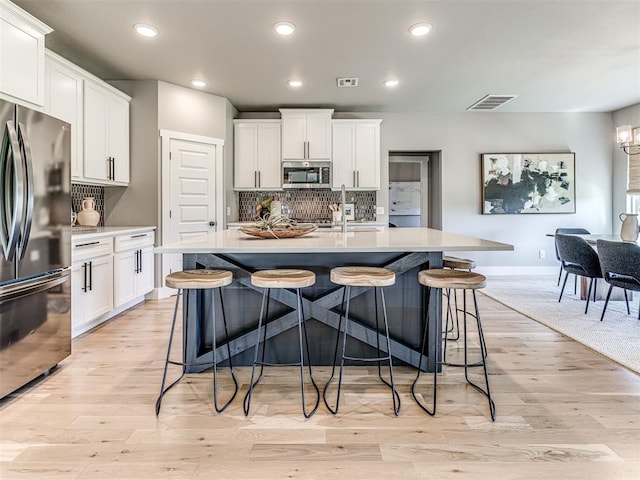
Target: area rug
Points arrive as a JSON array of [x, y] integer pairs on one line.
[[617, 336]]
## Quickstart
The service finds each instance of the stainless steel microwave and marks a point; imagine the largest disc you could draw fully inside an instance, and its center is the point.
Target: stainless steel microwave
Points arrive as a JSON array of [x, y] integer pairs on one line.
[[306, 175]]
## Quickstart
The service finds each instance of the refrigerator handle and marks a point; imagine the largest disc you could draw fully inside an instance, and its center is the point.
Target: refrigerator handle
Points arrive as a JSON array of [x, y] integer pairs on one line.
[[10, 215], [25, 146], [14, 291]]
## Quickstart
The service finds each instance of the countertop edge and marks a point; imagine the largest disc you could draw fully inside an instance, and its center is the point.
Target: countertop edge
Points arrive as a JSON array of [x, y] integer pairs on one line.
[[102, 232]]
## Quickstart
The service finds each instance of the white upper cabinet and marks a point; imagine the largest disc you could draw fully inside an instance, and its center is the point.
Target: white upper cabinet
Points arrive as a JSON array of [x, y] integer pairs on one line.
[[356, 154], [306, 134], [257, 157], [21, 55], [106, 134], [63, 100]]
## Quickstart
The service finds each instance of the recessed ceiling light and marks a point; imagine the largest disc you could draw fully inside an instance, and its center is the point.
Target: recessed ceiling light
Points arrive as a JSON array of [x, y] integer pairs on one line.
[[420, 29], [284, 28], [198, 83], [295, 83], [391, 83], [146, 30]]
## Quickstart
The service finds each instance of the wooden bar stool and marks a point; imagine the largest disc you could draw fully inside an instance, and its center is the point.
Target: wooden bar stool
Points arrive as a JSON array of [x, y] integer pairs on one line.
[[282, 278], [377, 278], [455, 279], [199, 279], [454, 263]]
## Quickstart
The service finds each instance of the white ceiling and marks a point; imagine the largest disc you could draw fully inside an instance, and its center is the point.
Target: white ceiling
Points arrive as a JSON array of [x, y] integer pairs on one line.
[[557, 56]]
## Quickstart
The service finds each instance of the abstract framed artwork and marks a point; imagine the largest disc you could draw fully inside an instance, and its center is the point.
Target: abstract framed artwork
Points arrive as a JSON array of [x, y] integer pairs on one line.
[[528, 183]]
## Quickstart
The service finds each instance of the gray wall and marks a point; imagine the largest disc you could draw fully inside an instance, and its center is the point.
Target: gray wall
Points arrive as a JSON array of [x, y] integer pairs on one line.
[[138, 205], [162, 106], [463, 137], [460, 138]]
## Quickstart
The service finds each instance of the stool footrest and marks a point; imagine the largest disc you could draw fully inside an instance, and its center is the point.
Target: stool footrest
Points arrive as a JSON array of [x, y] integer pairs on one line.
[[268, 364], [367, 359], [187, 364]]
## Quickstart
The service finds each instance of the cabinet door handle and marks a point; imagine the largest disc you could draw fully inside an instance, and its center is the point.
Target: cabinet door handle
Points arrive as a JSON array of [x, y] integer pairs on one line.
[[255, 179], [91, 276], [140, 261], [84, 274], [113, 168], [259, 178], [358, 177], [86, 244], [354, 178], [139, 235]]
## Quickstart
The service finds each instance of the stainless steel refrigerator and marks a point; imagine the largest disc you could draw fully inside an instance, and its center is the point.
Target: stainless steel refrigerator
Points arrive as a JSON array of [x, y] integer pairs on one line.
[[35, 242]]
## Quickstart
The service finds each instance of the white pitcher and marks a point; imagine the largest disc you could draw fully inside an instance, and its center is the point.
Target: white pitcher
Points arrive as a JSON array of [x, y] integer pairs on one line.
[[88, 215], [629, 230]]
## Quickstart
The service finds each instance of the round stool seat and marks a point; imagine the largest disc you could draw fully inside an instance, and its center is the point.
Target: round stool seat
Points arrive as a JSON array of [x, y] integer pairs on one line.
[[451, 279], [363, 276], [283, 278], [199, 278], [458, 263]]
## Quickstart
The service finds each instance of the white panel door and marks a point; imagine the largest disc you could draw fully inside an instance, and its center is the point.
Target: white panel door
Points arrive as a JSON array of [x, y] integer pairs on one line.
[[192, 192]]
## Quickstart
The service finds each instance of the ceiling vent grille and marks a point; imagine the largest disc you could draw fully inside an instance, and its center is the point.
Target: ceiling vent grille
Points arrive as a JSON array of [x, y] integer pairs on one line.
[[491, 102], [347, 82]]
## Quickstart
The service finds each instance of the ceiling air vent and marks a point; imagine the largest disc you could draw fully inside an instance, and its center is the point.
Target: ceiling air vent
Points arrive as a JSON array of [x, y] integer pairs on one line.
[[347, 82], [491, 102]]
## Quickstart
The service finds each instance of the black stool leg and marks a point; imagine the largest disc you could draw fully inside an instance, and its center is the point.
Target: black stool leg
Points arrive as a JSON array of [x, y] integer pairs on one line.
[[425, 337], [247, 398], [394, 394], [215, 357], [167, 361], [335, 355], [301, 327], [347, 294], [483, 352]]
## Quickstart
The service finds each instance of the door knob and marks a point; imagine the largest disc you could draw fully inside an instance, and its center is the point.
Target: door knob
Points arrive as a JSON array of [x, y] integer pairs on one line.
[[212, 224]]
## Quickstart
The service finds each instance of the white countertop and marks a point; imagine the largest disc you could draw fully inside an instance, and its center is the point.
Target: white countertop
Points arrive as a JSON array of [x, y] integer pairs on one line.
[[379, 240], [89, 233]]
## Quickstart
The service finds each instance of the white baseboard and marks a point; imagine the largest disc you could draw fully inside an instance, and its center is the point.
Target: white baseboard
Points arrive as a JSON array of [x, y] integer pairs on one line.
[[160, 293], [514, 271], [85, 327]]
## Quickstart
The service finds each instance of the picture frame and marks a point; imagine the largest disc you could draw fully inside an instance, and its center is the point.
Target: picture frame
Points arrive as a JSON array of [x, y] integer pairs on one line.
[[528, 183]]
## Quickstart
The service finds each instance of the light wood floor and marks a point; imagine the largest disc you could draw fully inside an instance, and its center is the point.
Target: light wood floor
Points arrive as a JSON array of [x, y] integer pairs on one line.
[[564, 412]]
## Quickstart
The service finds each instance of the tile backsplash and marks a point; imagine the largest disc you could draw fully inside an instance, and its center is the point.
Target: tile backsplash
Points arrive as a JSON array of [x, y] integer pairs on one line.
[[308, 204], [79, 191]]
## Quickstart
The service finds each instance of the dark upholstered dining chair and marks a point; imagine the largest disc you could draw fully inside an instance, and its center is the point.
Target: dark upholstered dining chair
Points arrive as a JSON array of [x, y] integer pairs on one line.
[[620, 263], [563, 231], [579, 258]]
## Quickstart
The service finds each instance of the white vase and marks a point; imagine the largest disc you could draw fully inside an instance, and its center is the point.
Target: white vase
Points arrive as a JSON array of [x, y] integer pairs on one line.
[[88, 216], [629, 230]]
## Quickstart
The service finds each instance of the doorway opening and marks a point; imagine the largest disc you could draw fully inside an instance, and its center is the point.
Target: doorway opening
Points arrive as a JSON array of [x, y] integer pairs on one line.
[[415, 189]]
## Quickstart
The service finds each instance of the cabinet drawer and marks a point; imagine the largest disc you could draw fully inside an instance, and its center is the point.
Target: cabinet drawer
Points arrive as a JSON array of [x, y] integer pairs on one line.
[[83, 250], [133, 241]]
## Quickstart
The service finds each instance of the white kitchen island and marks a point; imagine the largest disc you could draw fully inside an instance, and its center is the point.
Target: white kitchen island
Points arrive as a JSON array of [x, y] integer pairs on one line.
[[403, 250]]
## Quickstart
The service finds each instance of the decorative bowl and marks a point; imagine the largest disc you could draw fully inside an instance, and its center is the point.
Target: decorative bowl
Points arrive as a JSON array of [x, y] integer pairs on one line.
[[280, 232]]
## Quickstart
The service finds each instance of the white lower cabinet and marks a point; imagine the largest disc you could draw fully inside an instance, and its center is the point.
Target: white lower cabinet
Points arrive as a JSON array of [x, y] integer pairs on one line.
[[108, 275], [132, 267], [91, 283]]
